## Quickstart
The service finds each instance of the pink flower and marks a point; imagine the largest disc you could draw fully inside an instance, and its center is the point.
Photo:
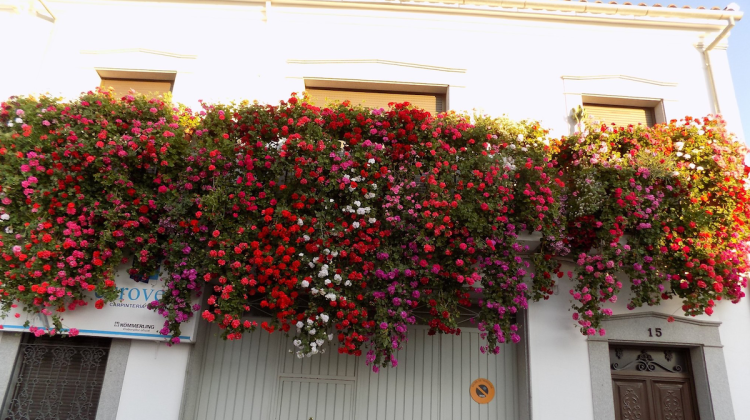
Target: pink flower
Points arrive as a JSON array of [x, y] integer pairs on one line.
[[73, 332]]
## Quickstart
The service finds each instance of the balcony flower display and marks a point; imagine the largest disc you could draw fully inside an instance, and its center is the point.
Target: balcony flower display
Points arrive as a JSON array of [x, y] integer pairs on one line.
[[346, 224]]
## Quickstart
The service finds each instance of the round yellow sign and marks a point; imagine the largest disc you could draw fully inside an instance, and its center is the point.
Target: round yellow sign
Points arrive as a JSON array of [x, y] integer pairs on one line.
[[482, 391]]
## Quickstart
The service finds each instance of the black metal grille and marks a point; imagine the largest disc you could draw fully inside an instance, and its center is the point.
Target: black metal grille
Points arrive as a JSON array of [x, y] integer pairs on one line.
[[57, 378]]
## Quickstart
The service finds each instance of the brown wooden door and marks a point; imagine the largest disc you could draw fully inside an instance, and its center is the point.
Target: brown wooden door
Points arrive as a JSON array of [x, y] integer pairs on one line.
[[652, 384]]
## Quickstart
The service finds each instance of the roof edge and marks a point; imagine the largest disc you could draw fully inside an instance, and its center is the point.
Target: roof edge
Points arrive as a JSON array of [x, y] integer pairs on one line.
[[582, 8]]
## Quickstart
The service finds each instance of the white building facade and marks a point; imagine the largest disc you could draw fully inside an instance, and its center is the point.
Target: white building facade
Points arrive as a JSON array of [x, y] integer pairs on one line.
[[527, 59]]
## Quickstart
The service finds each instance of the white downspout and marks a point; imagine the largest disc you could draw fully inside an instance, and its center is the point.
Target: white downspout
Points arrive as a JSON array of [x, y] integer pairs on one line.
[[707, 58]]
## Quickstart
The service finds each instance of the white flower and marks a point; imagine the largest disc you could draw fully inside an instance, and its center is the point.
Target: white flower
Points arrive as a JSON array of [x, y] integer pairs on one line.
[[309, 321], [330, 337], [687, 157], [327, 282], [520, 137], [315, 259], [355, 225], [300, 324], [361, 211], [679, 145], [10, 124], [314, 290], [19, 121], [297, 343], [300, 222], [312, 331], [306, 238], [324, 317], [305, 283], [5, 217], [700, 168], [331, 296], [314, 350], [319, 342], [337, 278], [691, 166], [701, 132], [9, 229], [358, 203], [326, 251], [679, 153], [347, 283], [300, 355], [371, 220], [371, 161], [311, 264], [335, 253]]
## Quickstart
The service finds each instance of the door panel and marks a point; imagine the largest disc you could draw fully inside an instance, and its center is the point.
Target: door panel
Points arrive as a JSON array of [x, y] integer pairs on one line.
[[302, 399], [631, 399], [672, 400]]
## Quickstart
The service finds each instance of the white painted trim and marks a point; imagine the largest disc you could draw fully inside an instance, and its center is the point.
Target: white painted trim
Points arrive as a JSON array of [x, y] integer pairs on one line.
[[622, 77], [140, 50], [379, 61], [589, 12], [136, 74]]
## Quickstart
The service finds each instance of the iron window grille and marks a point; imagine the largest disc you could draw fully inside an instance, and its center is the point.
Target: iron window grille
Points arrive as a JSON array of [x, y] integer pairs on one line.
[[56, 378]]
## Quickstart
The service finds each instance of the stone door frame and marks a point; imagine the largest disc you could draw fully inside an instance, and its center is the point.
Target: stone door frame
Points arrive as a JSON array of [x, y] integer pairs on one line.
[[702, 338]]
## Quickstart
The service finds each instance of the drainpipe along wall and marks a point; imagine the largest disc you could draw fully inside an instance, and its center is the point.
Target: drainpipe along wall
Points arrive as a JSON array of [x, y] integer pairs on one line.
[[707, 58]]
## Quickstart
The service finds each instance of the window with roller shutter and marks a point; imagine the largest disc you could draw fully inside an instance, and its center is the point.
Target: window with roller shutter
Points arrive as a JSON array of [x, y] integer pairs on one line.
[[434, 103], [621, 115], [57, 378], [150, 88]]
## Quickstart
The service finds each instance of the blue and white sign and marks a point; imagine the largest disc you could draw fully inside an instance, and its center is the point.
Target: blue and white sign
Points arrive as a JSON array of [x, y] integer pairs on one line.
[[126, 317]]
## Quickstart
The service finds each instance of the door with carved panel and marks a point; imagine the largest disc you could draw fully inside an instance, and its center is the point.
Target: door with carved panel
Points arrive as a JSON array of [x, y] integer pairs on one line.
[[652, 384]]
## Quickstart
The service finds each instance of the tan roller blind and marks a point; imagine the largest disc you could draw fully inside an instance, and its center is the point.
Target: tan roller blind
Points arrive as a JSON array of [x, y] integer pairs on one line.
[[429, 102], [149, 88], [621, 115]]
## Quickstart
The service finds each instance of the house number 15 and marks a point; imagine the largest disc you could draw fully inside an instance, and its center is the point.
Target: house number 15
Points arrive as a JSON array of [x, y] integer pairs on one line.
[[657, 332]]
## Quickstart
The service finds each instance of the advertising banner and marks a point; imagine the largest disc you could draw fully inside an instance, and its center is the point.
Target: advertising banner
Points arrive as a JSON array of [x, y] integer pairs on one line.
[[126, 317]]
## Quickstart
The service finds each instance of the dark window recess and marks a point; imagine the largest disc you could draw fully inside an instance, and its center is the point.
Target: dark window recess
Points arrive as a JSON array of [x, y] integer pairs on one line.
[[57, 378], [621, 115]]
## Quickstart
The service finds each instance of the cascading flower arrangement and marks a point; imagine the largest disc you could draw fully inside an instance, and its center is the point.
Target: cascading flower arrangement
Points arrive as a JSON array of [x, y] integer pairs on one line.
[[664, 209], [349, 224], [79, 193]]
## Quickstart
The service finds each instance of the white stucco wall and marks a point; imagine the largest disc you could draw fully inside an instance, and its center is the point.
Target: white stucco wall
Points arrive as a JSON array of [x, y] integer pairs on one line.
[[244, 50], [153, 382]]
